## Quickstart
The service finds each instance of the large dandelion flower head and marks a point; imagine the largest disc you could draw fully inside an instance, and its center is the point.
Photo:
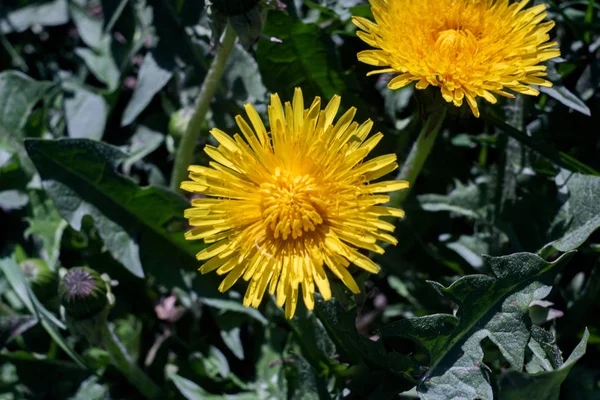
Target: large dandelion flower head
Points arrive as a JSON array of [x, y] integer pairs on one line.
[[467, 48], [281, 207]]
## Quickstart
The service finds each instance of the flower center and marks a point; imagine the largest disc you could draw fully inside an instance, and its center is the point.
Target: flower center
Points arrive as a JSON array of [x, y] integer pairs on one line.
[[452, 42], [290, 205]]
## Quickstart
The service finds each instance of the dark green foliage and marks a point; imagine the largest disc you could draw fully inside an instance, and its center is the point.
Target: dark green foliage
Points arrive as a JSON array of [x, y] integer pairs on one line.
[[496, 274]]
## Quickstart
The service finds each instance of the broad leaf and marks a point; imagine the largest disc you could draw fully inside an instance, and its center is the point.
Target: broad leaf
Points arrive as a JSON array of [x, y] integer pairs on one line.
[[19, 94], [582, 209], [305, 58], [85, 111], [155, 72], [543, 385], [44, 13], [243, 78], [101, 63], [358, 349], [80, 176], [489, 307]]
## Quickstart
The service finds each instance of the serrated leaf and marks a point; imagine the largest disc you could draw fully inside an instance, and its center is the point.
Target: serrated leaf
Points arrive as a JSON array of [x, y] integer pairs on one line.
[[357, 349], [541, 386], [19, 94], [242, 72], [80, 177], [46, 226], [489, 307], [582, 209]]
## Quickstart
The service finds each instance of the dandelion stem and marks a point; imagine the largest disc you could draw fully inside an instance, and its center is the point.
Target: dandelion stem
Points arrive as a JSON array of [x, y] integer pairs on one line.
[[121, 360], [418, 154], [186, 148]]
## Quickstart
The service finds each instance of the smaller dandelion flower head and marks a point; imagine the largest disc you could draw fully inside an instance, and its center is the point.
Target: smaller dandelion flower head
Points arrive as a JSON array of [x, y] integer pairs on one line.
[[281, 207], [467, 48]]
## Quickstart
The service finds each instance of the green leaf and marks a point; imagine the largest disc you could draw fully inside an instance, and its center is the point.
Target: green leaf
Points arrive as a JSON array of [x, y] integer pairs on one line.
[[303, 382], [558, 157], [563, 95], [305, 58], [101, 63], [46, 226], [243, 69], [19, 94], [489, 307], [90, 27], [357, 349], [191, 391], [155, 72], [143, 142], [129, 331], [223, 305], [471, 201], [12, 200], [90, 389], [17, 280], [46, 14], [582, 209], [12, 326], [85, 111], [540, 386], [80, 177], [313, 340]]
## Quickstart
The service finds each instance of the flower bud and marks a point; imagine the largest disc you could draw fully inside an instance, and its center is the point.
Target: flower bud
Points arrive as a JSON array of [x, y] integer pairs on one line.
[[83, 293], [179, 121], [43, 281]]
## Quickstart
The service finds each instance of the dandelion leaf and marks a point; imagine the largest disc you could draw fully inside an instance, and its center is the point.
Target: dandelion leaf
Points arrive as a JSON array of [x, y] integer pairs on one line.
[[488, 307]]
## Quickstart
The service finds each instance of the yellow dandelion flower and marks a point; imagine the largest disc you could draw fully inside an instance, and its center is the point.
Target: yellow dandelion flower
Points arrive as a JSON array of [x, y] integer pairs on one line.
[[280, 206], [467, 48]]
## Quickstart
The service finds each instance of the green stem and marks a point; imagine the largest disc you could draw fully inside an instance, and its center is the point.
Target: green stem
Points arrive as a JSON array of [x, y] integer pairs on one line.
[[186, 148], [121, 360], [418, 155]]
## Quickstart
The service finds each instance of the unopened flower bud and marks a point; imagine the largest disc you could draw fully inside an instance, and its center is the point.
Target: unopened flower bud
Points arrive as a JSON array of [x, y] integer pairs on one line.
[[83, 293], [43, 281], [179, 121]]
